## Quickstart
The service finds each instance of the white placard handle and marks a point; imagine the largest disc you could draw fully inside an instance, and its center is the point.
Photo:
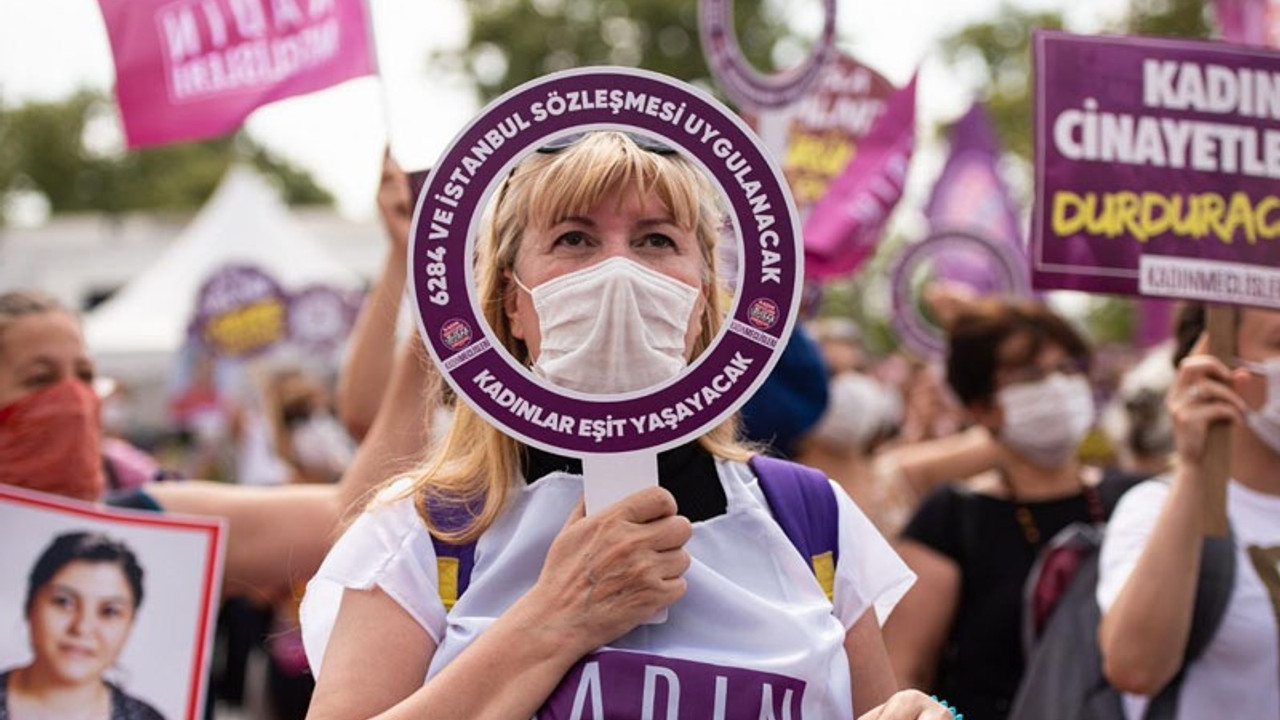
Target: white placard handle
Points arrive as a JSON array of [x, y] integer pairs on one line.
[[608, 478]]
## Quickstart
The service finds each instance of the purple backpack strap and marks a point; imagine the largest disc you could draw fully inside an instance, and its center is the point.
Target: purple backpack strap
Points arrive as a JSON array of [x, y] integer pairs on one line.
[[804, 504]]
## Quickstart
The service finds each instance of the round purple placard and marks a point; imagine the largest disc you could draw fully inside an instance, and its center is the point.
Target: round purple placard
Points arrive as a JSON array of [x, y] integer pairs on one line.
[[240, 310], [321, 317], [1009, 273], [735, 75], [442, 274]]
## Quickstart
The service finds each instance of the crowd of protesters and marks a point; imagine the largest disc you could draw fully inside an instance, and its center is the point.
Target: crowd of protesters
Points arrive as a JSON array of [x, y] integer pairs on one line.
[[955, 471]]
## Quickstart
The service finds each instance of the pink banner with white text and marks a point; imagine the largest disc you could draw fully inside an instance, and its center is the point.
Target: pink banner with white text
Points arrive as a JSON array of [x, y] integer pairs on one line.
[[844, 227], [193, 69]]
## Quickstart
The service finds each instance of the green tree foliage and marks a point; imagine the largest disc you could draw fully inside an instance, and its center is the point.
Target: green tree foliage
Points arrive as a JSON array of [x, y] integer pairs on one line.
[[1002, 44], [513, 41], [56, 148], [1168, 18], [1111, 320], [1003, 47]]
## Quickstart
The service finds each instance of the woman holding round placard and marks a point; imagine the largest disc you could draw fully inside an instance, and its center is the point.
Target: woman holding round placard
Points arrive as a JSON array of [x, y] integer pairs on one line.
[[597, 270]]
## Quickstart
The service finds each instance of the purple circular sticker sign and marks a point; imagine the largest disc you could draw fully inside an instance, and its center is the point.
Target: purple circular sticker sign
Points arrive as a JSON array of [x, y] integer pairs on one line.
[[1008, 275], [240, 310], [321, 317], [472, 357], [735, 75]]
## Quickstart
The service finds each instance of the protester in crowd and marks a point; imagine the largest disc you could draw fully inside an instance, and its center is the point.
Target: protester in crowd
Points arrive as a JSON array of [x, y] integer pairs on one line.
[[50, 440], [935, 442], [550, 585], [1151, 557], [1019, 369], [83, 595], [313, 447], [790, 400], [306, 435], [861, 413]]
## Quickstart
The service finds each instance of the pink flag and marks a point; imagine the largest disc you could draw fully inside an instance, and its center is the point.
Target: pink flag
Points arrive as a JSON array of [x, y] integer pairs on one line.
[[1249, 22], [192, 69], [845, 225]]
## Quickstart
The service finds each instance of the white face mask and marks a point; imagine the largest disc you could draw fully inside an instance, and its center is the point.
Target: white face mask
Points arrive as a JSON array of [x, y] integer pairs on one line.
[[858, 409], [1265, 421], [1044, 421], [614, 327]]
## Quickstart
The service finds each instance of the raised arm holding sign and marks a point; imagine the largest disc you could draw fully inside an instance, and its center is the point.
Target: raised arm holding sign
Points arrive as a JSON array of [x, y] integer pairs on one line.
[[1157, 168]]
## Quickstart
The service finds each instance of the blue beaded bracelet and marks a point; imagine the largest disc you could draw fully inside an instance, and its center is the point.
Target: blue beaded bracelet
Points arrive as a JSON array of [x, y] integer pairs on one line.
[[954, 713]]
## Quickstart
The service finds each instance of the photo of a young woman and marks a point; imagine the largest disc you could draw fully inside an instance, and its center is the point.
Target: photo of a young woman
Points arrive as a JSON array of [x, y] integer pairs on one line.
[[83, 594]]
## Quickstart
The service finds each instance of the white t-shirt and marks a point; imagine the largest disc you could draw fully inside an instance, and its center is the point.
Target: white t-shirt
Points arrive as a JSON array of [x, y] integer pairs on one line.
[[1238, 676], [753, 630]]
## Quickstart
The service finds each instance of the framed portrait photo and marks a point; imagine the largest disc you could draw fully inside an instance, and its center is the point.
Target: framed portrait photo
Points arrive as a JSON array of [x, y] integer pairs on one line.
[[116, 606]]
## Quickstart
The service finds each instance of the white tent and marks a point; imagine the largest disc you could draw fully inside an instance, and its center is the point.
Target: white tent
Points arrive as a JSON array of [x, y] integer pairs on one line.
[[245, 222]]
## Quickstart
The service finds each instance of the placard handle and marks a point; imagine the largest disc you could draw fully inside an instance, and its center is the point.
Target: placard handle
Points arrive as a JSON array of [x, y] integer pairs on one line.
[[608, 478], [1220, 323]]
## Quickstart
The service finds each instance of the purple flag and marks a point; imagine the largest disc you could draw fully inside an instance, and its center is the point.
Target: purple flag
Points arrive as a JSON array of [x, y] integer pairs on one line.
[[845, 225], [970, 197], [1250, 22], [969, 194]]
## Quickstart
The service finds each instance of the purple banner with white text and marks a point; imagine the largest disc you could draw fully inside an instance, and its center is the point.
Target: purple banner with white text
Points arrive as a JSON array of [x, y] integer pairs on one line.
[[1157, 164]]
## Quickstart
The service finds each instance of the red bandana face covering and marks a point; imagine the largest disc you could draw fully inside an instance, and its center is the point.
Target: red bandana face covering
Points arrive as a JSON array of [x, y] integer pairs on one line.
[[51, 441]]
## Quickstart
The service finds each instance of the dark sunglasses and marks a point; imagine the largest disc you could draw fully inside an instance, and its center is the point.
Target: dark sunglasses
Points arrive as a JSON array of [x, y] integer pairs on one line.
[[644, 142]]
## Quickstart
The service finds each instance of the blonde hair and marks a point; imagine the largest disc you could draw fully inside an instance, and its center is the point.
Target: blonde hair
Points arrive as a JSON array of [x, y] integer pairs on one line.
[[475, 465]]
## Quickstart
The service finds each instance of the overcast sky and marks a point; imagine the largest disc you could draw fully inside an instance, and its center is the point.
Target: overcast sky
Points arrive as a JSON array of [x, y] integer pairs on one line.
[[48, 48]]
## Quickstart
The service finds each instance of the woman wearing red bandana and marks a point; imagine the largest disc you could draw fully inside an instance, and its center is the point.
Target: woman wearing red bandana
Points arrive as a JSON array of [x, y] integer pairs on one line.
[[51, 436]]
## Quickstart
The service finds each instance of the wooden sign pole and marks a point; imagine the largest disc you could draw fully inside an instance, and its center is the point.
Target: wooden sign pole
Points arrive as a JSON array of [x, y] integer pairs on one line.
[[1220, 323]]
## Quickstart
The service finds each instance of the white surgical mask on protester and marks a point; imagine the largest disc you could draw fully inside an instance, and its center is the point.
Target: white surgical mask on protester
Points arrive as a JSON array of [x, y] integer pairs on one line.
[[1045, 420], [858, 409], [1265, 421], [614, 327]]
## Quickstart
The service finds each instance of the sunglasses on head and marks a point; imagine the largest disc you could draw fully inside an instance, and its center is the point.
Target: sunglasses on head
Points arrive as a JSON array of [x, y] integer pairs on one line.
[[643, 142], [564, 142]]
